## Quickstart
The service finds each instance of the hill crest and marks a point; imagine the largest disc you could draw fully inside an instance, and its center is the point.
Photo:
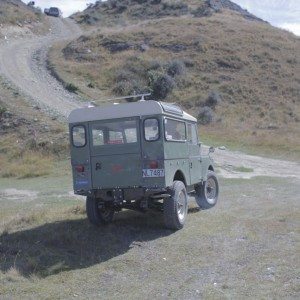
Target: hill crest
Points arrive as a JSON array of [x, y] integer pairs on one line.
[[123, 11]]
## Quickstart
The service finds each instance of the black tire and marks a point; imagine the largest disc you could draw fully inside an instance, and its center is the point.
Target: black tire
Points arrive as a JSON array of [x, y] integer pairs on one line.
[[207, 193], [96, 215], [176, 207]]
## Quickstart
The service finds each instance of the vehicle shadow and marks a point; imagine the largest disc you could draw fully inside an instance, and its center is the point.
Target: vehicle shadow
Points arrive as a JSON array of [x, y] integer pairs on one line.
[[74, 244]]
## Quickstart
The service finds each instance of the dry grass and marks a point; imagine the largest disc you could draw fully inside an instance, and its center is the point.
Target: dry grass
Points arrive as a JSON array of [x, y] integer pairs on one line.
[[29, 165]]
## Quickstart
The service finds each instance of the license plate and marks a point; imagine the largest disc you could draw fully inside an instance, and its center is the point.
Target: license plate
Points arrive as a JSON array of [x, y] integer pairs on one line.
[[153, 173]]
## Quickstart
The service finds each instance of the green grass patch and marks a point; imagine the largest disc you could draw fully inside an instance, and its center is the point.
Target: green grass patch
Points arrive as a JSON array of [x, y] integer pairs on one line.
[[243, 169]]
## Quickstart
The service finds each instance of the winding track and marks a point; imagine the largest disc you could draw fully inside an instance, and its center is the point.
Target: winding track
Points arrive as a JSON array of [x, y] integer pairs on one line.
[[23, 62]]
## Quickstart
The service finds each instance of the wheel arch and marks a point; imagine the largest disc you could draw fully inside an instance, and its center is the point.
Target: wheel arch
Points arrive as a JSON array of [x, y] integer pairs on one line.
[[211, 168], [179, 175], [206, 170]]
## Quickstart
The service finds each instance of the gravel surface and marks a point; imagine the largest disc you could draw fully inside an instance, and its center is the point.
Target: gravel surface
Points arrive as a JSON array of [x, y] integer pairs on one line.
[[23, 63], [235, 164]]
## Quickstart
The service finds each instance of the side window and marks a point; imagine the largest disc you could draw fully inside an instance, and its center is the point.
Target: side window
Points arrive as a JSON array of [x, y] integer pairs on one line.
[[192, 134], [151, 129], [175, 130], [79, 136]]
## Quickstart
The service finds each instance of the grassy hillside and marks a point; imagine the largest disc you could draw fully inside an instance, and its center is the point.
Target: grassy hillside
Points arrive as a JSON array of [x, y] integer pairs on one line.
[[238, 75], [16, 12]]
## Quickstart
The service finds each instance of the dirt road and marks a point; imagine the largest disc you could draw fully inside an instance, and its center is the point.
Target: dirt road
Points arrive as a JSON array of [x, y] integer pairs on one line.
[[235, 164], [23, 63]]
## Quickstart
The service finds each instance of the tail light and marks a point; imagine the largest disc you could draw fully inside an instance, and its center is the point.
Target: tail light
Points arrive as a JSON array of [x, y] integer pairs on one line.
[[79, 168], [153, 164]]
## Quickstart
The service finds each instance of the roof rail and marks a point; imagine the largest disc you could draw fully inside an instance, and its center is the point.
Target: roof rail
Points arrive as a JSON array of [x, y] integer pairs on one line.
[[125, 97]]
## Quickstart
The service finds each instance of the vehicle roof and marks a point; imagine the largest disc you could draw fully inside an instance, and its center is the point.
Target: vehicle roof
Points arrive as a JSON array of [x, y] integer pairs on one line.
[[123, 110]]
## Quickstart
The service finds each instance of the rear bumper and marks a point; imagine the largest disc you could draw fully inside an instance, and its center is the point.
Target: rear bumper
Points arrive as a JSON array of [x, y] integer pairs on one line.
[[114, 194]]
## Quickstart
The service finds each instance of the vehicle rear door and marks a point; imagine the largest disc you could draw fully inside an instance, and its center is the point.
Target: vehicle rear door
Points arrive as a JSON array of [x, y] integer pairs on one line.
[[115, 153]]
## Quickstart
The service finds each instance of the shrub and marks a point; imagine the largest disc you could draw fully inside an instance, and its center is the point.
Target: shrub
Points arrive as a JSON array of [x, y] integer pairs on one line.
[[155, 65], [213, 99], [71, 87], [129, 87], [202, 11], [162, 86], [176, 68], [206, 115]]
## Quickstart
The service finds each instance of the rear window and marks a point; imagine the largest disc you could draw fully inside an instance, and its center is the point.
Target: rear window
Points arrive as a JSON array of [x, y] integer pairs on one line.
[[54, 10], [175, 130], [79, 136], [115, 133]]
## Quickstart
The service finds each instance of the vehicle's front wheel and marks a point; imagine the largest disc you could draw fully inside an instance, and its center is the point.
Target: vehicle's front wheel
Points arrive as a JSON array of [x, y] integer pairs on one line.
[[208, 192], [176, 207], [97, 214]]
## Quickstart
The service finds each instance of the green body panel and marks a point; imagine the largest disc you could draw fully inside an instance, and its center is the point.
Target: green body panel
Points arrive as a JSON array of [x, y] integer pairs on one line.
[[206, 162], [196, 172], [117, 171], [176, 159]]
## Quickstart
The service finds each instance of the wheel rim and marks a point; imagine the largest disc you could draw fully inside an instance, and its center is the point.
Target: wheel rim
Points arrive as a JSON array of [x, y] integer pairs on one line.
[[211, 191], [181, 206], [105, 213]]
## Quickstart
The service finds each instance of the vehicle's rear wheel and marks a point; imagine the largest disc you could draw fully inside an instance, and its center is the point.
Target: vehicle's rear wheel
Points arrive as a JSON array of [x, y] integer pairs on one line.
[[97, 214], [208, 192], [176, 207]]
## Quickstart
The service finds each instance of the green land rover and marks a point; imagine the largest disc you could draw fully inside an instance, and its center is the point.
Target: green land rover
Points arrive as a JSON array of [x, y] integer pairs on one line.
[[140, 155]]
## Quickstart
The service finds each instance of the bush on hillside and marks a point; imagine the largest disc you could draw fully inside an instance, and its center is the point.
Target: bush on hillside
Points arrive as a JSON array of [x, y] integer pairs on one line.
[[162, 86], [214, 99], [176, 68], [71, 88], [205, 115], [157, 77]]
